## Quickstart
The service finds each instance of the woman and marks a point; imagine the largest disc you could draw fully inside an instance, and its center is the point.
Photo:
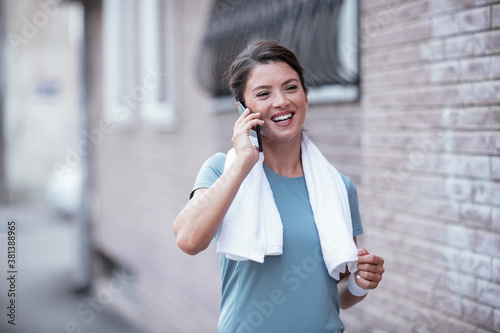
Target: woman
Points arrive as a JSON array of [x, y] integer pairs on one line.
[[291, 290]]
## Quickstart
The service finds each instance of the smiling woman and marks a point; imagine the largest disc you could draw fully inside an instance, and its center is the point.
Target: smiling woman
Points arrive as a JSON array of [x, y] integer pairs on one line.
[[284, 220], [274, 92]]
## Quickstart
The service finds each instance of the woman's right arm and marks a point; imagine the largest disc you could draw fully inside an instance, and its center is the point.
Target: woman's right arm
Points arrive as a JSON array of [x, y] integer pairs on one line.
[[199, 221], [197, 224]]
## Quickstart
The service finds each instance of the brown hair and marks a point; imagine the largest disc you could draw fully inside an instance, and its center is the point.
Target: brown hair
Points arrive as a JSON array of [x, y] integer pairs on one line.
[[259, 53]]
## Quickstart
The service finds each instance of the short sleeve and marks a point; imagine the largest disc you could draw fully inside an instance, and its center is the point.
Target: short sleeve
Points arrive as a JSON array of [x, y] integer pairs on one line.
[[210, 171], [352, 193]]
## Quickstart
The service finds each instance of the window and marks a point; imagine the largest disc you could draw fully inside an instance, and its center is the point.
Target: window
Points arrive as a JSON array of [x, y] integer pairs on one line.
[[118, 67], [322, 33], [157, 63], [138, 62]]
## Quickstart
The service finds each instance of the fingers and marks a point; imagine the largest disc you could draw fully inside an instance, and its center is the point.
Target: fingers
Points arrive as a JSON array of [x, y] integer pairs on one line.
[[248, 116], [251, 123], [366, 282], [362, 251], [241, 141], [246, 122], [370, 269], [369, 276], [376, 269], [368, 279], [253, 119], [244, 115], [370, 259]]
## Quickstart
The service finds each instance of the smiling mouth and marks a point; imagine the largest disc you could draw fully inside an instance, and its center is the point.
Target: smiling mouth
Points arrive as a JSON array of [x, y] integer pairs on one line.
[[282, 118]]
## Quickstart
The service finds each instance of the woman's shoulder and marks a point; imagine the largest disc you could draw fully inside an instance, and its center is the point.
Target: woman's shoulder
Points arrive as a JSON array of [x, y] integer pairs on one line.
[[217, 160], [349, 184], [219, 157], [215, 163], [209, 172]]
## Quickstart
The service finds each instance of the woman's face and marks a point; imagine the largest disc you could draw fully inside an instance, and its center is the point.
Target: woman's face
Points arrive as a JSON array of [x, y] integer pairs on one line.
[[275, 91]]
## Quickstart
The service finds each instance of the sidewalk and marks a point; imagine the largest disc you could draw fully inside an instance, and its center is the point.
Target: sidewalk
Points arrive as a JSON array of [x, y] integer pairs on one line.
[[45, 260]]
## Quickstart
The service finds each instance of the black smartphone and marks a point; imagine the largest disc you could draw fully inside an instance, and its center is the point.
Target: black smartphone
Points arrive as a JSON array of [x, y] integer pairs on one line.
[[256, 133]]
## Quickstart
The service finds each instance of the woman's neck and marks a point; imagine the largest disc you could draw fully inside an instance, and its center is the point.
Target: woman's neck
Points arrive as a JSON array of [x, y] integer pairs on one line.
[[284, 157]]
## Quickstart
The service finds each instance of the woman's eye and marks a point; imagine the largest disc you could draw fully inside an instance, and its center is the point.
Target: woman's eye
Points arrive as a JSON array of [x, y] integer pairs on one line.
[[262, 94], [291, 88]]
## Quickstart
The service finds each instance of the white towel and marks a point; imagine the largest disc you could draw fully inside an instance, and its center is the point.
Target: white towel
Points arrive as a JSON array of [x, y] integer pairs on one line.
[[252, 227]]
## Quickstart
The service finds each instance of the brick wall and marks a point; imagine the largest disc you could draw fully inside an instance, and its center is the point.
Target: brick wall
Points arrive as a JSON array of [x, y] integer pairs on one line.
[[422, 145], [141, 179], [429, 190]]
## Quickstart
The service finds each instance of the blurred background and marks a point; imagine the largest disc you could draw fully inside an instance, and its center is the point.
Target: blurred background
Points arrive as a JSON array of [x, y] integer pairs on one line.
[[108, 108]]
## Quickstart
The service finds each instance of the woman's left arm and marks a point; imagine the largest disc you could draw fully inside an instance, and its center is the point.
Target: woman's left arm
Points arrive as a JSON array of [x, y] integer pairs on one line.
[[368, 276]]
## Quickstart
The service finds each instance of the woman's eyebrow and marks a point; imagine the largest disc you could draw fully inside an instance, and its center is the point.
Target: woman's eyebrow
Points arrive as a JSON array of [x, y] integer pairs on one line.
[[288, 81], [261, 87], [269, 86]]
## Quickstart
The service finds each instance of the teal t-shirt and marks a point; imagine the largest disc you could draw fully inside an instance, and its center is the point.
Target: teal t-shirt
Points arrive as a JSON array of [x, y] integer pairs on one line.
[[292, 292]]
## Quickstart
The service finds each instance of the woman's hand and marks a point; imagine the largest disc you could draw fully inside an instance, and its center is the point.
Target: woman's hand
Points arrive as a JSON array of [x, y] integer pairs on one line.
[[368, 276], [241, 137], [370, 269], [198, 223]]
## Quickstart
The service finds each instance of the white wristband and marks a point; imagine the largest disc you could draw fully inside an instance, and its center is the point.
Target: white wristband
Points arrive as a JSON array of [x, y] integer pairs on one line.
[[354, 288]]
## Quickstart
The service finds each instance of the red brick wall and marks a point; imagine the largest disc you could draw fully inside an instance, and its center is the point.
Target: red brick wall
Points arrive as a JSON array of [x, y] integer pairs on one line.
[[422, 145]]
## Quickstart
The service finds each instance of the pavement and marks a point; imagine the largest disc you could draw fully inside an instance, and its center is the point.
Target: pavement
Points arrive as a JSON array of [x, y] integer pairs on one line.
[[43, 284]]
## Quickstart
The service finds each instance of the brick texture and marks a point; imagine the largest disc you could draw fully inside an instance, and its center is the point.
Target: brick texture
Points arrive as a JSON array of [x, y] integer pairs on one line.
[[495, 16], [474, 19], [430, 112], [422, 145], [141, 178]]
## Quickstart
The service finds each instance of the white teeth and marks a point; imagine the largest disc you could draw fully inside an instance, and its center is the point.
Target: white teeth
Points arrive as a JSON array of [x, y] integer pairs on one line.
[[283, 117]]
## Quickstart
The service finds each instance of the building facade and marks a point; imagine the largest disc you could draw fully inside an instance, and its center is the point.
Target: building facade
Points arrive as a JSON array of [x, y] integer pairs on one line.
[[421, 142]]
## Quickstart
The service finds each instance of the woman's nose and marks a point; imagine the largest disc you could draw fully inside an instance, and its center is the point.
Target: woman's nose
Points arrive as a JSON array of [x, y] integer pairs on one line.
[[280, 101]]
